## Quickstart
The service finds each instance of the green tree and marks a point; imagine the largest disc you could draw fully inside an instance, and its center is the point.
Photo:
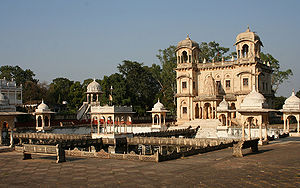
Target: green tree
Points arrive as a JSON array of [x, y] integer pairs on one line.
[[278, 76], [298, 94], [59, 91], [279, 102], [166, 76], [33, 91], [17, 73], [140, 85], [76, 97], [213, 50], [118, 90]]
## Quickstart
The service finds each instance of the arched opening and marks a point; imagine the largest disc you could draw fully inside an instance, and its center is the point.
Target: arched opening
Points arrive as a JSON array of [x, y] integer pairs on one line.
[[39, 121], [5, 135], [197, 111], [213, 113], [222, 119], [245, 50], [184, 56], [129, 120], [292, 123], [109, 120], [206, 111], [94, 121], [46, 121], [156, 119], [232, 107]]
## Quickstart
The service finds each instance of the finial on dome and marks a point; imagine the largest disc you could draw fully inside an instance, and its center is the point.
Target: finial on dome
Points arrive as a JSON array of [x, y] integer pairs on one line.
[[248, 29], [42, 101], [94, 79], [204, 60], [158, 100], [187, 36], [293, 92], [253, 87], [224, 98]]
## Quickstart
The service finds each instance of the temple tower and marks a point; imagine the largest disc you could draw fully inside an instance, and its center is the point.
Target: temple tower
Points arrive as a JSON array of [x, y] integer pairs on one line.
[[187, 53]]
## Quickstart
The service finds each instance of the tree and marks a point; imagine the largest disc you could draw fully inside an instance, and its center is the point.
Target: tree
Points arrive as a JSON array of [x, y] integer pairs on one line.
[[278, 76], [298, 94], [166, 76], [213, 50], [140, 85], [279, 102], [59, 91], [33, 91], [119, 92], [76, 97], [17, 73]]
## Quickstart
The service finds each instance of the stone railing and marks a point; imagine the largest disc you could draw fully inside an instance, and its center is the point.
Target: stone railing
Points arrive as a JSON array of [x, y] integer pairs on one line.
[[104, 155], [189, 142]]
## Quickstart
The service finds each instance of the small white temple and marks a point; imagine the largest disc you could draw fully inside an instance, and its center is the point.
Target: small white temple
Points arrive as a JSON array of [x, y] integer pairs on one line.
[[159, 117], [291, 108], [254, 112], [43, 116]]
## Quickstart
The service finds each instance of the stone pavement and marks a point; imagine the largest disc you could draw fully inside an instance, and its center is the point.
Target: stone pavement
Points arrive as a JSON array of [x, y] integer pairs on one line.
[[277, 165]]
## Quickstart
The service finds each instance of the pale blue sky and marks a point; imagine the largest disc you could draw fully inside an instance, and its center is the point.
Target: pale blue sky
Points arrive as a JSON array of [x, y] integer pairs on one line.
[[80, 39]]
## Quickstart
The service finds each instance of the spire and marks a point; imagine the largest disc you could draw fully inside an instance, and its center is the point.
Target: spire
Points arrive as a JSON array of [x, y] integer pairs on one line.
[[248, 29], [187, 36], [158, 100], [204, 60], [293, 92]]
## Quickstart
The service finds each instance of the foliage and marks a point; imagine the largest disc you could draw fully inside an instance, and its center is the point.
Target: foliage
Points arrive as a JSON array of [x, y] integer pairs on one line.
[[278, 76], [166, 76], [17, 73], [298, 94], [278, 102], [213, 50], [140, 85]]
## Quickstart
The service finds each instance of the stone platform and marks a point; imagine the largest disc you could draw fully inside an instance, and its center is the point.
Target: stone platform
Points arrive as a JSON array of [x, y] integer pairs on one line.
[[276, 165]]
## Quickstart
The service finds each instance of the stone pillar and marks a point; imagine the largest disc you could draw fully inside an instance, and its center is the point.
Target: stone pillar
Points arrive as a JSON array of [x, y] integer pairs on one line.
[[260, 134], [266, 133], [284, 123], [164, 116], [11, 138], [249, 131], [243, 131], [298, 126]]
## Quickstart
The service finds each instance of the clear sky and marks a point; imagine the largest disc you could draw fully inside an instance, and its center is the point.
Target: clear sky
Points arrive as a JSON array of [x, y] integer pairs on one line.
[[80, 39]]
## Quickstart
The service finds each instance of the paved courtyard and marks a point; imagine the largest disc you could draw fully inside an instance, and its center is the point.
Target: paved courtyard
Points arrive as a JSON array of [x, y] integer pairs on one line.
[[276, 165]]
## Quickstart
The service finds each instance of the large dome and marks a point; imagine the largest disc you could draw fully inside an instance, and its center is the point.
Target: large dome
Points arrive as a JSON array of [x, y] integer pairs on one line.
[[248, 36], [94, 87], [187, 43], [254, 100], [292, 103]]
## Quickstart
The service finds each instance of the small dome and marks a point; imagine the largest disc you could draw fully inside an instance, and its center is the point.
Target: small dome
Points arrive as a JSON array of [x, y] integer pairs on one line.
[[158, 105], [94, 87], [43, 106], [223, 106], [292, 103], [187, 43], [248, 36], [254, 100]]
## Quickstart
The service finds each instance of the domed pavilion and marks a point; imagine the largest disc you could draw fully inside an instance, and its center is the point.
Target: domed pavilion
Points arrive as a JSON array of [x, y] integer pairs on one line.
[[254, 112], [291, 108], [159, 117], [43, 116]]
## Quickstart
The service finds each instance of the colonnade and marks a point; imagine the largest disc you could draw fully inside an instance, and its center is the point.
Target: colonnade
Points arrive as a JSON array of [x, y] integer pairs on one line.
[[112, 123]]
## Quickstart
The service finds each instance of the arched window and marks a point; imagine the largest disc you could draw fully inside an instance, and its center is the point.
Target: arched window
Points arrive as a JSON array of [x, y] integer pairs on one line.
[[39, 121], [184, 56], [245, 50], [46, 121]]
